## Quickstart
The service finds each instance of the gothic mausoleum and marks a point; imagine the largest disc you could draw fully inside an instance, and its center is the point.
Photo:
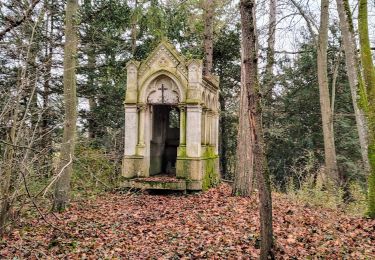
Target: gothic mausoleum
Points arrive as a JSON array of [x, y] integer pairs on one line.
[[171, 123]]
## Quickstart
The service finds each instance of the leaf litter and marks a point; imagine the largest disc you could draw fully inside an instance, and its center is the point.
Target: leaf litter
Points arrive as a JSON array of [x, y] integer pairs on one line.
[[210, 224]]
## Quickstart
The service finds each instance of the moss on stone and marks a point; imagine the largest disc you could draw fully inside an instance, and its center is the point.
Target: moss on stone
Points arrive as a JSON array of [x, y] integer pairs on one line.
[[182, 152], [210, 175]]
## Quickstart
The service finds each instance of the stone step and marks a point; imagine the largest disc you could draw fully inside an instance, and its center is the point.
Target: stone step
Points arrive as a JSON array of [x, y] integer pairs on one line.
[[156, 183]]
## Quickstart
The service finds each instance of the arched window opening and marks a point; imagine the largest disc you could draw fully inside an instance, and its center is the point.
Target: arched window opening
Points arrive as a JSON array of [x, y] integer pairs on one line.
[[174, 118]]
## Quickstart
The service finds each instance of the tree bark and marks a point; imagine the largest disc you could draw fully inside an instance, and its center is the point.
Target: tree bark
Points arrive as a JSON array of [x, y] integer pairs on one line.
[[325, 107], [243, 178], [369, 80], [92, 102], [223, 139], [208, 36], [6, 181], [65, 168], [269, 82], [44, 124], [134, 29], [250, 77], [354, 76]]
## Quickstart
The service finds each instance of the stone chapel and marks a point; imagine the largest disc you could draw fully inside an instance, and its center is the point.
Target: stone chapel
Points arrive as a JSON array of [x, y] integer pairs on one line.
[[171, 123]]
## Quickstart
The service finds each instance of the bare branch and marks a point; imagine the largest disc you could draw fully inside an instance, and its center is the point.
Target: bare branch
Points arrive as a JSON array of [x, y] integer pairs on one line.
[[309, 21], [13, 24], [58, 175], [18, 146]]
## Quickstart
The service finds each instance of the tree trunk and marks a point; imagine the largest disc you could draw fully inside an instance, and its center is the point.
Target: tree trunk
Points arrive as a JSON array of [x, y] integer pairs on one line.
[[243, 178], [223, 139], [134, 29], [208, 36], [92, 102], [369, 79], [325, 107], [6, 178], [45, 125], [250, 60], [268, 79], [91, 63], [65, 168], [354, 76]]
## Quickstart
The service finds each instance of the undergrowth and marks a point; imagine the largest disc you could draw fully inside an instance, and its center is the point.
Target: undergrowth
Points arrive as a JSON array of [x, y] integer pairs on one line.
[[317, 191], [94, 172]]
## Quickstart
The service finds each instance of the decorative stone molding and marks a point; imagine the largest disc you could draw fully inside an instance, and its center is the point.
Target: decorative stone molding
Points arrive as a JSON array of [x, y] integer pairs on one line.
[[182, 107], [132, 81], [195, 71], [163, 91], [141, 107]]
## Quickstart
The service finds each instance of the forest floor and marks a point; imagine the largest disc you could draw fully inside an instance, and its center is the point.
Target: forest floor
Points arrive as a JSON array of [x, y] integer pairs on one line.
[[211, 225]]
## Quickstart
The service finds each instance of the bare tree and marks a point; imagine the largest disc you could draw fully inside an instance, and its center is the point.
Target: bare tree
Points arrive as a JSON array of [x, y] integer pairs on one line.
[[354, 74], [327, 113], [325, 106], [208, 17], [134, 27], [91, 63], [19, 133], [65, 168], [250, 78], [269, 82]]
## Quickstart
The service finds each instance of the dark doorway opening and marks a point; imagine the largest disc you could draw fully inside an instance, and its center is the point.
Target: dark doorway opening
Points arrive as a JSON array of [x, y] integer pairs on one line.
[[164, 140]]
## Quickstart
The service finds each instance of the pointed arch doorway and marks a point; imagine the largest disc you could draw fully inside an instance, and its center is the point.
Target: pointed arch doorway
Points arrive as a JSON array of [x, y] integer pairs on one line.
[[165, 139]]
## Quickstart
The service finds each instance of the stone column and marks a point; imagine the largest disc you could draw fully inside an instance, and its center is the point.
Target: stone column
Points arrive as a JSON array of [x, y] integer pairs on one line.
[[141, 133], [203, 134], [209, 126], [217, 117], [182, 125], [131, 129], [193, 130]]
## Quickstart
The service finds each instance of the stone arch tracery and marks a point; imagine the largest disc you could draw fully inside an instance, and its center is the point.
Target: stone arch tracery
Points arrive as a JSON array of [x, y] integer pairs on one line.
[[162, 88]]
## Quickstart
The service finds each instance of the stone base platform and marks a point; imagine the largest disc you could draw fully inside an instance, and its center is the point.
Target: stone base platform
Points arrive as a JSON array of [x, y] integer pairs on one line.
[[156, 183]]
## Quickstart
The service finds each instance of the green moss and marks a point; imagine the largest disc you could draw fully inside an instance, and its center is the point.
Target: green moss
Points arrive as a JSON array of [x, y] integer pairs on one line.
[[369, 80], [182, 152], [349, 15], [211, 176]]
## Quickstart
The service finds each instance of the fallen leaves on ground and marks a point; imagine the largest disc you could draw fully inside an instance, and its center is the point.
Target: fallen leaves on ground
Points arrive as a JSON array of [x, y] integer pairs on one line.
[[211, 225]]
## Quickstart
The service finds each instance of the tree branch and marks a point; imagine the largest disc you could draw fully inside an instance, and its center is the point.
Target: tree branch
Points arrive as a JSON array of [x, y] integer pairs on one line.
[[13, 24]]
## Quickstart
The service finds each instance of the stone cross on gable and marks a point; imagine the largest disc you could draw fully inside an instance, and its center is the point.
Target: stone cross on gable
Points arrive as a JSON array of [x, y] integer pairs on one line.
[[162, 92]]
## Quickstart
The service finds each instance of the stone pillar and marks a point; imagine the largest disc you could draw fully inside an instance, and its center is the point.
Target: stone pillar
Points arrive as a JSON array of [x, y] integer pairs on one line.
[[203, 130], [193, 130], [141, 133], [182, 125], [131, 129], [217, 117], [209, 126], [132, 82]]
